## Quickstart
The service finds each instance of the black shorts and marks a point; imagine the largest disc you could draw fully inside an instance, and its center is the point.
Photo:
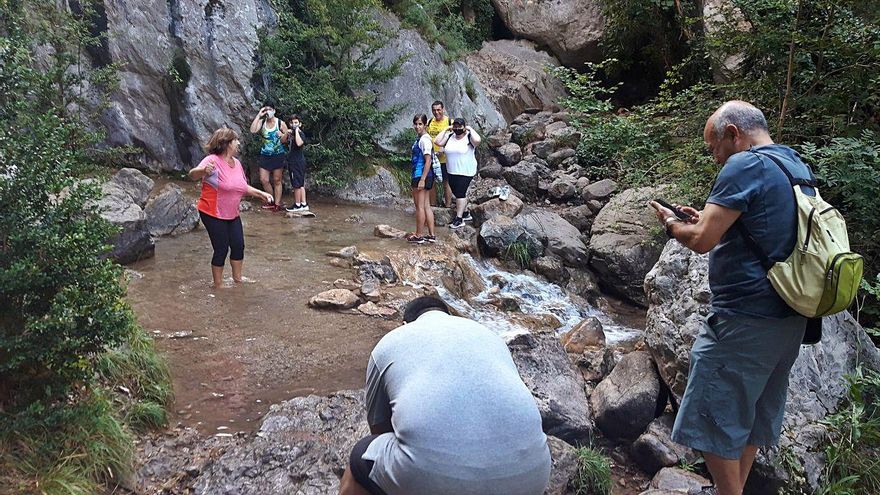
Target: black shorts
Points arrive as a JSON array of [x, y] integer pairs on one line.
[[429, 181], [360, 468], [297, 173], [459, 184], [271, 162]]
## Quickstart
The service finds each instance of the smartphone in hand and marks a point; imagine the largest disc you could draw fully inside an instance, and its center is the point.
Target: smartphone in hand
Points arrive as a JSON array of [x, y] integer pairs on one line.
[[678, 213]]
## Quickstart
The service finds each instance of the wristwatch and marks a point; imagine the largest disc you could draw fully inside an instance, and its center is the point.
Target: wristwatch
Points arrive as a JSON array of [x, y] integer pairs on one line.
[[668, 223]]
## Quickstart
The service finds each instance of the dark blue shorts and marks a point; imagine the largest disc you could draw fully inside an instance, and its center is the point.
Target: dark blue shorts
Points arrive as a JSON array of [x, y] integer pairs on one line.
[[271, 162], [738, 383]]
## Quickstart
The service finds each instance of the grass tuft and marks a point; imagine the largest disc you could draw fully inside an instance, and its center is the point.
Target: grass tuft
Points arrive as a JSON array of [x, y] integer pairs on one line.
[[594, 473]]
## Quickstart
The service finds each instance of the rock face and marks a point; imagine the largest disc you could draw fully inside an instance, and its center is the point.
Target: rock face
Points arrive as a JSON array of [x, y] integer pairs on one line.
[[171, 213], [626, 400], [678, 292], [571, 29], [185, 70], [380, 188], [455, 85], [560, 237], [557, 386], [625, 242], [514, 76]]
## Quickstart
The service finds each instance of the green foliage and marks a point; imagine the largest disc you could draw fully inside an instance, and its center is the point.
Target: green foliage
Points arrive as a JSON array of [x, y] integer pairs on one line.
[[318, 61], [519, 253], [593, 474], [852, 456], [458, 25], [62, 308]]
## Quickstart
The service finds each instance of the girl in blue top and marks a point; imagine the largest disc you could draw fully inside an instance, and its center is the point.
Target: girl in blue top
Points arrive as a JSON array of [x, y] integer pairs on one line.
[[422, 181]]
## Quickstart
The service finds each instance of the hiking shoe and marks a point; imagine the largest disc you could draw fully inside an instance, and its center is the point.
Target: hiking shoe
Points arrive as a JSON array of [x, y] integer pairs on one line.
[[303, 207], [467, 217], [292, 208], [706, 490], [430, 238], [457, 223], [414, 239]]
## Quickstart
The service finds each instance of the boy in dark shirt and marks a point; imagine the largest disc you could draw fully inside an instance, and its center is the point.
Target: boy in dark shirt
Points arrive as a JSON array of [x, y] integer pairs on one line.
[[295, 139]]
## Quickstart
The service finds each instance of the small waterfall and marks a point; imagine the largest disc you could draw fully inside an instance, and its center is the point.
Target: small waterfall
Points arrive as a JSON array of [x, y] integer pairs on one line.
[[531, 298]]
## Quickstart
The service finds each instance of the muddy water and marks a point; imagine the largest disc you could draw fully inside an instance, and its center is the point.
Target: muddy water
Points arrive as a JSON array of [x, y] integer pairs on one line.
[[235, 351]]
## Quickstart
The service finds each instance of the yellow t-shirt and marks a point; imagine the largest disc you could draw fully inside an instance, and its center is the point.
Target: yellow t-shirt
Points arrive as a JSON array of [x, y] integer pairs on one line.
[[434, 129]]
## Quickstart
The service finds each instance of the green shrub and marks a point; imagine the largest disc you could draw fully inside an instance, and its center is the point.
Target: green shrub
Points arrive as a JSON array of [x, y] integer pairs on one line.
[[519, 253], [593, 474], [852, 456], [458, 25]]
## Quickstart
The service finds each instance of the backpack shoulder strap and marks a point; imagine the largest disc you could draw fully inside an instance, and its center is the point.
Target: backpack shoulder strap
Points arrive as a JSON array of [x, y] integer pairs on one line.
[[811, 182], [752, 244]]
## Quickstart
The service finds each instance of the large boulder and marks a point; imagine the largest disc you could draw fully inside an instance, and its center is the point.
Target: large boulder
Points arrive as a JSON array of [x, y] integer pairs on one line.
[[509, 154], [455, 84], [561, 238], [495, 207], [523, 177], [334, 299], [514, 76], [678, 292], [380, 187], [655, 450], [571, 29], [133, 242], [134, 183], [500, 233], [184, 71], [558, 388], [625, 242], [625, 402], [171, 213]]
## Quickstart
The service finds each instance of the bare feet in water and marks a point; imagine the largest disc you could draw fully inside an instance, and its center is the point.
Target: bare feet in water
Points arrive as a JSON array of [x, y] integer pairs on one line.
[[246, 280]]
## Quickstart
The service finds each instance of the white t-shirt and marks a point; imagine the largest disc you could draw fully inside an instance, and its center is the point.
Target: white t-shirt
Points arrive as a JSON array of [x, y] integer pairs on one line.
[[426, 144], [460, 157]]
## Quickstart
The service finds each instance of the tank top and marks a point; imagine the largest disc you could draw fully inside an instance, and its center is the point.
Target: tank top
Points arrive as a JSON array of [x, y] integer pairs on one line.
[[272, 140]]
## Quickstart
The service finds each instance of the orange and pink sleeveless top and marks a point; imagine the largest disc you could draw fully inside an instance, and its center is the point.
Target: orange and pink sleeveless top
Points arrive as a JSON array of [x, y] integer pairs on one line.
[[223, 189]]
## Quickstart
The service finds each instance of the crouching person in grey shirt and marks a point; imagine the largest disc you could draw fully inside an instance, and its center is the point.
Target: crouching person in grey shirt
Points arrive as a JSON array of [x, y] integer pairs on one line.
[[448, 413]]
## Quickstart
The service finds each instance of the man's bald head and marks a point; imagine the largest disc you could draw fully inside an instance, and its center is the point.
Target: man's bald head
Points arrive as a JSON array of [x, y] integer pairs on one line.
[[735, 126]]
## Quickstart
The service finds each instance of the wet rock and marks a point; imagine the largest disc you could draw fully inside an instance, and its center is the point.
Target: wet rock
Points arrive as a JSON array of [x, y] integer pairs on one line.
[[583, 283], [565, 467], [626, 400], [171, 213], [134, 241], [654, 449], [356, 218], [562, 189], [509, 155], [379, 270], [334, 299], [495, 207], [499, 233], [523, 177], [370, 289], [560, 237], [340, 262], [388, 232], [558, 388], [464, 240], [514, 75], [137, 185], [348, 252], [599, 191], [550, 267], [380, 187], [372, 309], [678, 292], [678, 480], [587, 333], [466, 281], [626, 241], [341, 283]]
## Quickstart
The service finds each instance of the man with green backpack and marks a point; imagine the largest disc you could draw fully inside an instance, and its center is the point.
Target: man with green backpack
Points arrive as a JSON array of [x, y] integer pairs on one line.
[[778, 256]]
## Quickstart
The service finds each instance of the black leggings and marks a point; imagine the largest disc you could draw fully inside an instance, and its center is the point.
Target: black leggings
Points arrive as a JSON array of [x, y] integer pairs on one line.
[[227, 237], [459, 184]]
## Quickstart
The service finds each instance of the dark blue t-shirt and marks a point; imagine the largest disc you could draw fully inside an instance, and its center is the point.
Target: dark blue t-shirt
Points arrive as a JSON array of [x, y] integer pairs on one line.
[[761, 191]]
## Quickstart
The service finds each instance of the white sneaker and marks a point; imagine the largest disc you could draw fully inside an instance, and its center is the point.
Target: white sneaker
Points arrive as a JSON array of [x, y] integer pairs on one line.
[[504, 194], [304, 208]]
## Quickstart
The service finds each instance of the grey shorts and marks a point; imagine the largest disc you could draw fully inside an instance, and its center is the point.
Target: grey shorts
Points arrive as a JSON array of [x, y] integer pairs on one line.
[[738, 383]]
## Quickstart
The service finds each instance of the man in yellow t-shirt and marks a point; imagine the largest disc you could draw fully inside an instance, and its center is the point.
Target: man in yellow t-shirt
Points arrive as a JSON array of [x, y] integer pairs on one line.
[[438, 123]]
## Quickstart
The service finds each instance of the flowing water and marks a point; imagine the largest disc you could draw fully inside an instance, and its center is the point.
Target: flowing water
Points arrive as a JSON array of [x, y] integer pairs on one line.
[[235, 351]]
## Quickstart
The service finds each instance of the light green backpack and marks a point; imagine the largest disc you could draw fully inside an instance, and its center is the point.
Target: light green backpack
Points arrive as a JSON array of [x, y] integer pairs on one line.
[[821, 276]]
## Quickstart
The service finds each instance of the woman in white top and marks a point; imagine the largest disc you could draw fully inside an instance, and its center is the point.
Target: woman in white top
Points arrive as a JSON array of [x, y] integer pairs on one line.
[[459, 142]]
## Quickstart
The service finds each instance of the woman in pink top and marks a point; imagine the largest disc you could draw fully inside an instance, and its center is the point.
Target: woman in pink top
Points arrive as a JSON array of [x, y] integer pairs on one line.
[[223, 185]]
